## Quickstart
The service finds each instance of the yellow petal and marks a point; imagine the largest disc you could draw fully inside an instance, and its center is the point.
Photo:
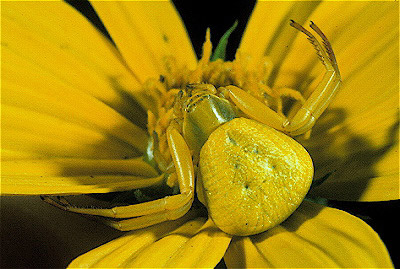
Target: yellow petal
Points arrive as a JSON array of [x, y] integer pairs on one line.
[[191, 248], [203, 250], [68, 46], [267, 32], [29, 136], [27, 87], [119, 252], [145, 45], [28, 131], [69, 185], [78, 167], [314, 236], [356, 137], [54, 86]]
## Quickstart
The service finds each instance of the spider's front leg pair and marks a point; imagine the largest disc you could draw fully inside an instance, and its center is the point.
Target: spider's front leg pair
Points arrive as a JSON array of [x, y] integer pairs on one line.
[[313, 107], [152, 212]]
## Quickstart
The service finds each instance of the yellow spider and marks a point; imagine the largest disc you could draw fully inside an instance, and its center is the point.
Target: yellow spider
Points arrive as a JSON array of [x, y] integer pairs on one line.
[[249, 173]]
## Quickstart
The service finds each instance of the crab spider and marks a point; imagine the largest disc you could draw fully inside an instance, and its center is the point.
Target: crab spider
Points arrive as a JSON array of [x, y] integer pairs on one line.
[[252, 163]]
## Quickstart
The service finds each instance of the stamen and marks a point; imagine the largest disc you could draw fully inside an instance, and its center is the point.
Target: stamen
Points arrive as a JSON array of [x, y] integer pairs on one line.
[[205, 59], [207, 48]]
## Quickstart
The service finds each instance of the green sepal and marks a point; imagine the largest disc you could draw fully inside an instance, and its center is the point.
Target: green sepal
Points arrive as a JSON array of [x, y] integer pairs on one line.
[[220, 50]]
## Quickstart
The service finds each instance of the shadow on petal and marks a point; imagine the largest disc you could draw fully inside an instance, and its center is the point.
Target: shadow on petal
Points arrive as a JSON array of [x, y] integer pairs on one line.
[[349, 158]]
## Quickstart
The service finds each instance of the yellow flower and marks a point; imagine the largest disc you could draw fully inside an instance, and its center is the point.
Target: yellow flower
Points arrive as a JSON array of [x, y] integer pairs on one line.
[[73, 122]]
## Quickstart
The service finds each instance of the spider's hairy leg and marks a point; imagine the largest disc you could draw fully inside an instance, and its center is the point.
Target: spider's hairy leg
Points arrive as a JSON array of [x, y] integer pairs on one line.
[[324, 93], [327, 45], [304, 119], [62, 203], [152, 212], [148, 220]]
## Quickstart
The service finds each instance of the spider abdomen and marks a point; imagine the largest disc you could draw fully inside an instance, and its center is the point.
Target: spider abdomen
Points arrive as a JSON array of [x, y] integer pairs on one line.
[[252, 176]]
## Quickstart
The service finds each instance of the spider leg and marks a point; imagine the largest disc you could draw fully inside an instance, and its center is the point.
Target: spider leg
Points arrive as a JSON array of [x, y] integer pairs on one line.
[[62, 203], [147, 220], [324, 93], [304, 119], [167, 208]]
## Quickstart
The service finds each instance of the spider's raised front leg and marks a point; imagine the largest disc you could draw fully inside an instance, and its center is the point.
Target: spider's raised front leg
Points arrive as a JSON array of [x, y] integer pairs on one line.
[[312, 108], [152, 212]]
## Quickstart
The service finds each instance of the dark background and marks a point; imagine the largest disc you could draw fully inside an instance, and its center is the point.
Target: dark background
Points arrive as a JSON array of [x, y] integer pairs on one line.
[[197, 16]]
